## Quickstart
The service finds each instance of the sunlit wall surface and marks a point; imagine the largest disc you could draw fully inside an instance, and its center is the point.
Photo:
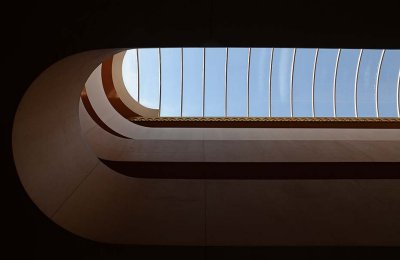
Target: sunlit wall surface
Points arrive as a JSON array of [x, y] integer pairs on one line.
[[264, 82]]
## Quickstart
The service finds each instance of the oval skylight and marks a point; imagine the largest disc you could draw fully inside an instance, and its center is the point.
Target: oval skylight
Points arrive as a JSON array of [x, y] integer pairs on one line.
[[264, 82]]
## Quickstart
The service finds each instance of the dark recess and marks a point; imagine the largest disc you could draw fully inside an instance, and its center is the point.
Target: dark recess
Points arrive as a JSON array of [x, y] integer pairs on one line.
[[255, 170]]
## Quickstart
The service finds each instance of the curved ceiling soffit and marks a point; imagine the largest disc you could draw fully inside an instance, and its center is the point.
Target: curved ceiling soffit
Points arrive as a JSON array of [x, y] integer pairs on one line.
[[51, 160], [92, 113], [69, 184], [152, 158], [117, 95], [150, 128], [126, 165], [74, 189], [115, 90], [160, 136]]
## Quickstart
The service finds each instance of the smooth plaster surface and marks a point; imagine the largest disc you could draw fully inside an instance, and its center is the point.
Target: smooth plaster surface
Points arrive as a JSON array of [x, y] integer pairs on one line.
[[67, 182]]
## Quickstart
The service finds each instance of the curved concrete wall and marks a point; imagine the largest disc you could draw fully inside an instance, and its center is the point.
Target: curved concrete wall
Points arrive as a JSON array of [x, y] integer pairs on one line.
[[67, 182], [59, 171], [231, 145]]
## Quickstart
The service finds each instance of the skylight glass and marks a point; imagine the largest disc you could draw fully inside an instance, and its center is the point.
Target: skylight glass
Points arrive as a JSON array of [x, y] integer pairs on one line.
[[345, 83], [171, 82], [149, 77], [192, 82], [303, 82], [367, 78], [214, 96], [259, 82], [281, 82], [324, 79], [388, 84], [264, 82], [237, 81]]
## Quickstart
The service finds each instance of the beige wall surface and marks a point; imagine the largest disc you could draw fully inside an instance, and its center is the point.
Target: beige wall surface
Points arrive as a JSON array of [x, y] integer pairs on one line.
[[64, 178]]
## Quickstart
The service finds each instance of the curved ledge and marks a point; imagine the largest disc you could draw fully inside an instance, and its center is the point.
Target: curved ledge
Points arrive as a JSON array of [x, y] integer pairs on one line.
[[133, 109], [267, 122], [92, 113]]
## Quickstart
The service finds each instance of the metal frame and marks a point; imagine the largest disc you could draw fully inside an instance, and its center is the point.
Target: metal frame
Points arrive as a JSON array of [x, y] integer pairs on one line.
[[160, 92], [356, 83], [270, 83], [398, 94], [291, 81], [138, 75], [248, 81], [226, 81], [204, 80], [313, 81], [334, 81], [378, 75], [181, 82]]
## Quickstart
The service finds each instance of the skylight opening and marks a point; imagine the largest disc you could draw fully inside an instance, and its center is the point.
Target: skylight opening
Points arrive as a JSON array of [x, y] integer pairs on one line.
[[264, 82]]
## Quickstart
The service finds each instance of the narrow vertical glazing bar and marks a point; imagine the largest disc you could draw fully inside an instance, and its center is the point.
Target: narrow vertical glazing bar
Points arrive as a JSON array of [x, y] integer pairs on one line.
[[248, 81], [160, 91], [398, 95], [204, 80], [334, 81], [181, 82], [291, 81], [226, 82], [138, 75], [313, 82], [378, 75], [270, 82], [356, 83]]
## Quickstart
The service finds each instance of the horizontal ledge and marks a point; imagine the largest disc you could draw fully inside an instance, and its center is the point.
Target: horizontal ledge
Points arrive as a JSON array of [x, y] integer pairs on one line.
[[268, 122], [256, 170]]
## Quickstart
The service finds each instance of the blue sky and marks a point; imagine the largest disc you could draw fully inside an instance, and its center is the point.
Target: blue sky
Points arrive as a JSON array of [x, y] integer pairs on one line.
[[238, 90], [302, 82]]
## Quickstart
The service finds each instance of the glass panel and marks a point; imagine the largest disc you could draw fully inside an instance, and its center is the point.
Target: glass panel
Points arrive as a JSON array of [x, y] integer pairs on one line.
[[129, 73], [280, 88], [366, 98], [171, 82], [302, 82], [258, 81], [259, 78], [149, 77], [192, 81], [215, 82], [237, 82], [387, 96], [345, 81], [323, 86]]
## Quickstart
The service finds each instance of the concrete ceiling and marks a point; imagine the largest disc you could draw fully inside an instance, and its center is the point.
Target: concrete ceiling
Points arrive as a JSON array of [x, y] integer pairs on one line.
[[43, 33]]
